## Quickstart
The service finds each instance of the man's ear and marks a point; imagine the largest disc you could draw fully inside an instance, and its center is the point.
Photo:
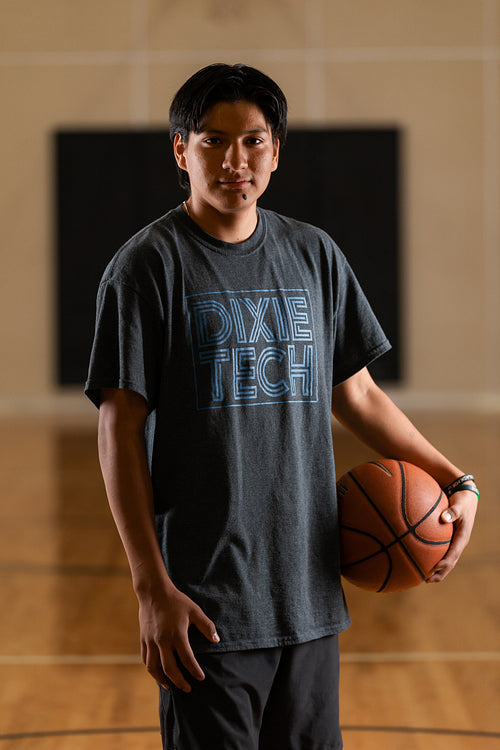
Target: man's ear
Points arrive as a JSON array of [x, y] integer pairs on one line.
[[276, 155], [179, 148]]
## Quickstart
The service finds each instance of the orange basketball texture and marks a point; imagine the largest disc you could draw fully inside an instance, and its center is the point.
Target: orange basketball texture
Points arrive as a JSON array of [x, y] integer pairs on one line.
[[391, 535]]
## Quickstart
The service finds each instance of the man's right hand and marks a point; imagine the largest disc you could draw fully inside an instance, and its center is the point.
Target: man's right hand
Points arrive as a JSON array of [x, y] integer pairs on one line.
[[164, 624], [165, 614]]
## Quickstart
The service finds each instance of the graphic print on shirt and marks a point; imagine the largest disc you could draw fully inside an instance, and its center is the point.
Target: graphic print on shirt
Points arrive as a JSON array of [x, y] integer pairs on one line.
[[252, 347]]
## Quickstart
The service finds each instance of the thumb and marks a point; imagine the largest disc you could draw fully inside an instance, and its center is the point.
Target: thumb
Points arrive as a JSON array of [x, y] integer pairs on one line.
[[205, 626], [449, 515]]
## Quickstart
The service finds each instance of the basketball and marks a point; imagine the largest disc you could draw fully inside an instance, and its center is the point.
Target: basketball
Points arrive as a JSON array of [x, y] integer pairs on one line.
[[391, 535]]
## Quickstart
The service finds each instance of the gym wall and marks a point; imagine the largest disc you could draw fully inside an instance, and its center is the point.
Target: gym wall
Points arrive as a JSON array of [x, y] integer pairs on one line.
[[430, 68]]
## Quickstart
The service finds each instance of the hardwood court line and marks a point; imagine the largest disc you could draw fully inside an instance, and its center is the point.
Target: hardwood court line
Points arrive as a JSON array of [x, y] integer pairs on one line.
[[348, 658], [420, 656], [421, 730], [52, 660], [78, 732], [58, 569], [345, 728]]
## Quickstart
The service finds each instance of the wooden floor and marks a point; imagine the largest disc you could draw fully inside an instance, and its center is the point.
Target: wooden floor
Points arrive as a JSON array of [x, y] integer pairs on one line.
[[420, 669]]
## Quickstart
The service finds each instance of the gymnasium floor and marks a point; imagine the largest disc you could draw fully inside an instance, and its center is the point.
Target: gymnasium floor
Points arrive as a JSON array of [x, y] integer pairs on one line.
[[420, 669]]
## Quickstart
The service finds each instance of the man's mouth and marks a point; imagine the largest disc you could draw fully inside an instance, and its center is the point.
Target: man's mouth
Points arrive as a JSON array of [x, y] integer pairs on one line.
[[239, 184]]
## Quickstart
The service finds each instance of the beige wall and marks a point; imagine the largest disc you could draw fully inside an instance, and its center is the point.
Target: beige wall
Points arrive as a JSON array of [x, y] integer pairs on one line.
[[431, 67]]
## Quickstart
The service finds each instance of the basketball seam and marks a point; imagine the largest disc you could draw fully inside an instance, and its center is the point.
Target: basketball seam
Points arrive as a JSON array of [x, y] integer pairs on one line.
[[381, 466], [397, 538], [383, 548], [412, 528]]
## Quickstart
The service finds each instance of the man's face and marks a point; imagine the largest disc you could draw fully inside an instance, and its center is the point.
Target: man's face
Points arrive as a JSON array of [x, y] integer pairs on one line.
[[233, 155]]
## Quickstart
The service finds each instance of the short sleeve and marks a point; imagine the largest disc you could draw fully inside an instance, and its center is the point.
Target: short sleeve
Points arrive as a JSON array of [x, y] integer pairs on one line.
[[127, 347], [359, 338]]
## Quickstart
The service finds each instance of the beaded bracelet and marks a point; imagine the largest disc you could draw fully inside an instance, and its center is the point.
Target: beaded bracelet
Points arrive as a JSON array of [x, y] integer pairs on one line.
[[460, 485]]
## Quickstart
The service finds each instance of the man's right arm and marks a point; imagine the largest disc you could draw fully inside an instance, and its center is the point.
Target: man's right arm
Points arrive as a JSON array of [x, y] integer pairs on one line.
[[165, 613]]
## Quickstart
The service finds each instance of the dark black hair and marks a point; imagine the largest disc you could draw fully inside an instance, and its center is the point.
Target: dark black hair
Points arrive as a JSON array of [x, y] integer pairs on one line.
[[226, 83]]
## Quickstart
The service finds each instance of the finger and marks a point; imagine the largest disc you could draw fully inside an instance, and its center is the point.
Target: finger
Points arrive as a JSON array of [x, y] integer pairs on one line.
[[461, 534], [152, 661], [448, 562], [449, 515], [446, 565], [461, 513], [174, 674], [442, 569], [463, 507], [205, 626], [188, 661]]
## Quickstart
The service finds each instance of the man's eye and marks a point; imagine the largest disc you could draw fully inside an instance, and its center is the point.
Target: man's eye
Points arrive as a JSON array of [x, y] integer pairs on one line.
[[254, 141], [213, 141]]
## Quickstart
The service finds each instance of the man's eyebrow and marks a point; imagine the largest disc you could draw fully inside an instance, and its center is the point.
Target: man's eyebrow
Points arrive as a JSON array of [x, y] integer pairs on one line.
[[206, 129]]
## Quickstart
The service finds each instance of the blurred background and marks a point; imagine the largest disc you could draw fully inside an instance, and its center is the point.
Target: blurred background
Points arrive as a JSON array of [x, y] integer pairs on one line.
[[425, 661], [430, 68]]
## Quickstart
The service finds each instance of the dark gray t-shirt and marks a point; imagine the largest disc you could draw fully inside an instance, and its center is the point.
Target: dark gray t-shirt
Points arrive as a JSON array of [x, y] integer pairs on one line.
[[236, 349]]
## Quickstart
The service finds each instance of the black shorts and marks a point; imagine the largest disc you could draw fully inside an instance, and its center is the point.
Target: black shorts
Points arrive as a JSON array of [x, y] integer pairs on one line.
[[282, 698]]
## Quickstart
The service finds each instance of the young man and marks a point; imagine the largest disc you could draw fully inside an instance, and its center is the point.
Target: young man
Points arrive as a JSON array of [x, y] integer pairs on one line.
[[225, 337]]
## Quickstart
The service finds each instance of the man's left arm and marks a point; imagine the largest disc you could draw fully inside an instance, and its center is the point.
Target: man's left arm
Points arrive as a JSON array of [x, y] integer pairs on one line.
[[366, 411]]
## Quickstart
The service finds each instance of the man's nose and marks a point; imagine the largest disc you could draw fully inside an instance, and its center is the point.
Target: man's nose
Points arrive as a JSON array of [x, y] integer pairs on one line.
[[235, 157]]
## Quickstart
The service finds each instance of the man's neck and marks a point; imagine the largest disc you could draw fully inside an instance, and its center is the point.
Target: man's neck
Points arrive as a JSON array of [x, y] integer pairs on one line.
[[234, 227]]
